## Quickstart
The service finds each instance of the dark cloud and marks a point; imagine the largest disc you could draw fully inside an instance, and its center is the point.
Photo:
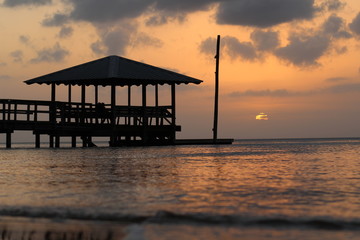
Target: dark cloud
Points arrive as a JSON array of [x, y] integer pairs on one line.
[[234, 48], [231, 46], [114, 40], [164, 18], [54, 54], [355, 24], [14, 3], [96, 11], [336, 27], [3, 64], [208, 46], [333, 5], [265, 40], [304, 51], [17, 55], [304, 48], [157, 20], [65, 32], [183, 6], [264, 13], [56, 20]]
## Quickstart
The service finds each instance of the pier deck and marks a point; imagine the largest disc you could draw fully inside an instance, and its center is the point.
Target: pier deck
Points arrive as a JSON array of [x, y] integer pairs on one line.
[[127, 125]]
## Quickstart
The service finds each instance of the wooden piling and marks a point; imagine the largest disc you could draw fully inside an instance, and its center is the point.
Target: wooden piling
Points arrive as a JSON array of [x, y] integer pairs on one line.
[[216, 104], [37, 140], [8, 140], [73, 141]]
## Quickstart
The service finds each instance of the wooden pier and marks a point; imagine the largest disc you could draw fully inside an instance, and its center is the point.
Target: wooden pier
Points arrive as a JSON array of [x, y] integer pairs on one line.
[[122, 124]]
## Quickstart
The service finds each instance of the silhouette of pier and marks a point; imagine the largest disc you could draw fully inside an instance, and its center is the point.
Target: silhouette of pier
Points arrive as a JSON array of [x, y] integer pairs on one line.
[[122, 124]]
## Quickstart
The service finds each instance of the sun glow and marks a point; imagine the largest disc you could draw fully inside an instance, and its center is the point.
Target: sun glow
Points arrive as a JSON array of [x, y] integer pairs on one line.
[[262, 116]]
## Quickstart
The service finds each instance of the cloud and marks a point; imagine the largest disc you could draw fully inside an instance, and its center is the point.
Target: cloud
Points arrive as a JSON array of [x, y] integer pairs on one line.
[[113, 40], [235, 49], [304, 51], [54, 54], [264, 13], [164, 18], [332, 5], [24, 39], [95, 11], [15, 3], [264, 93], [231, 46], [283, 93], [355, 24], [265, 40], [208, 46], [5, 77], [3, 64], [65, 32], [17, 56], [56, 20], [335, 27], [145, 40], [336, 79]]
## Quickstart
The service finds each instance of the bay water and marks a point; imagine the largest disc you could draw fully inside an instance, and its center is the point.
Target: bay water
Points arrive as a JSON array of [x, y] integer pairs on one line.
[[252, 189]]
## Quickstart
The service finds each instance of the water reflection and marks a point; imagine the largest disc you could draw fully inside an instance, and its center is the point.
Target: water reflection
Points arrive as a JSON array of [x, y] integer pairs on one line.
[[247, 178]]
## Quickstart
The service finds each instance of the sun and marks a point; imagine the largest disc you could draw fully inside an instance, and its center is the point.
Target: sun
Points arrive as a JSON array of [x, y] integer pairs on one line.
[[262, 117]]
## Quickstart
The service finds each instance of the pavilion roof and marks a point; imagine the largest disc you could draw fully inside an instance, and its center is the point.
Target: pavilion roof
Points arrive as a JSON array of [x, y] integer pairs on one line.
[[113, 70]]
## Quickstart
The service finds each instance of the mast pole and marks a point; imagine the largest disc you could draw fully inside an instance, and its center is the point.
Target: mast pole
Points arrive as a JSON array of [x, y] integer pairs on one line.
[[216, 105]]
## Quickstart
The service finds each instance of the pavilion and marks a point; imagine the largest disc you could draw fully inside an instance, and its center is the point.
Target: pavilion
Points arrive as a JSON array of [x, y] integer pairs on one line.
[[122, 124]]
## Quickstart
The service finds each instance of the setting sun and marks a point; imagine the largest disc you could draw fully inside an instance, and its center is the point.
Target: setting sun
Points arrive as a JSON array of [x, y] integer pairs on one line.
[[262, 116]]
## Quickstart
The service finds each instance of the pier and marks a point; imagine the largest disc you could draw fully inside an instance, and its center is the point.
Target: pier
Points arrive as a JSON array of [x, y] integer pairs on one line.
[[122, 124]]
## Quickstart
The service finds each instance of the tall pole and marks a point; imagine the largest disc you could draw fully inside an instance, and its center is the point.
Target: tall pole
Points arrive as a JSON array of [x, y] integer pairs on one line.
[[216, 105]]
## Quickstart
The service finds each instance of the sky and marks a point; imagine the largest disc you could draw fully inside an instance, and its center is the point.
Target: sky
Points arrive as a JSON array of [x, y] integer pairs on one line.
[[295, 61]]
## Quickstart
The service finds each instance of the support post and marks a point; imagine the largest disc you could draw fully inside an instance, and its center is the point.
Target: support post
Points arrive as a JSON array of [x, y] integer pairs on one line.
[[73, 141], [129, 105], [157, 103], [216, 104], [53, 105], [69, 93], [37, 140], [173, 111], [8, 140], [84, 142], [57, 141], [51, 141], [145, 120], [83, 100], [113, 119], [96, 94]]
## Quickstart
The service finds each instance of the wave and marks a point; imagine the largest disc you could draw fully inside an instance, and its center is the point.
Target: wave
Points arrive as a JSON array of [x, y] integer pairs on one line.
[[167, 217]]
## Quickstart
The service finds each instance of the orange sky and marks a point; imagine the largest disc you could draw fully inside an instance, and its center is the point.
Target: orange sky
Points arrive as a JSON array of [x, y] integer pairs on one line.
[[294, 60]]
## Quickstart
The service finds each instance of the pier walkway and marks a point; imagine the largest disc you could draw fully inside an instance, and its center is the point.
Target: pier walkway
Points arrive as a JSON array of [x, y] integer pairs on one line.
[[127, 125]]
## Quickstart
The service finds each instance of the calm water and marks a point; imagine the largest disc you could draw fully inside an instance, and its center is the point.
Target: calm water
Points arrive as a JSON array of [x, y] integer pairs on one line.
[[268, 189]]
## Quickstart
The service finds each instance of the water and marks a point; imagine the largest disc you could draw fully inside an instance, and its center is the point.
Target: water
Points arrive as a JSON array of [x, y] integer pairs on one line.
[[254, 189]]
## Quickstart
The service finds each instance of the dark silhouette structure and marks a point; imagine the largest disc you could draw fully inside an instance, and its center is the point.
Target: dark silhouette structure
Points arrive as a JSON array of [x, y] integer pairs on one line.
[[123, 124]]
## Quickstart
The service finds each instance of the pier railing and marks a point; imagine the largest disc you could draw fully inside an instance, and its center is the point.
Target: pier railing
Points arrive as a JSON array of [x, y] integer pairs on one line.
[[65, 113]]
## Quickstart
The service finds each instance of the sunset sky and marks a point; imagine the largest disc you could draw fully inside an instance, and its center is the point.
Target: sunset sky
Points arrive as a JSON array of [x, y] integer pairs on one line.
[[297, 61]]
